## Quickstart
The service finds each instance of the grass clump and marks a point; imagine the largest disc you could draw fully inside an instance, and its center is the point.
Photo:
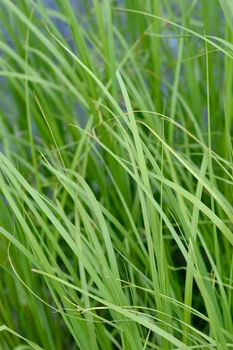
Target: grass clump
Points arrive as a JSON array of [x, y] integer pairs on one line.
[[116, 174]]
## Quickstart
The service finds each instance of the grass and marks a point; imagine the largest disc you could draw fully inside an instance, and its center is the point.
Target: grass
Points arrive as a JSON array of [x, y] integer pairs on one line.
[[116, 175]]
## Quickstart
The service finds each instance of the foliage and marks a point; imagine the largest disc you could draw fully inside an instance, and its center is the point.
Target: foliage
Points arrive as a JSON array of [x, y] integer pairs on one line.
[[116, 174]]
